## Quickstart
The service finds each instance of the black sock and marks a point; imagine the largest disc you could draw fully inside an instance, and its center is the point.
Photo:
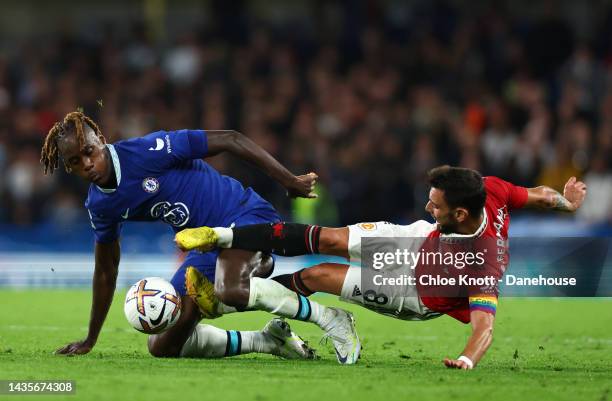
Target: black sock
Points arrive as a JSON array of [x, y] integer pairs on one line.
[[286, 239], [294, 283]]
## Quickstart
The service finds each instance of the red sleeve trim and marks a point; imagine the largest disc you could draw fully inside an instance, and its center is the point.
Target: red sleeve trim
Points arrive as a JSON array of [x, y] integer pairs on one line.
[[519, 197]]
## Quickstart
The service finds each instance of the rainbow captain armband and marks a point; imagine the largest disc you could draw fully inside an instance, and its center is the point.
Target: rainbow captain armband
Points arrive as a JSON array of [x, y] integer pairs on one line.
[[485, 303]]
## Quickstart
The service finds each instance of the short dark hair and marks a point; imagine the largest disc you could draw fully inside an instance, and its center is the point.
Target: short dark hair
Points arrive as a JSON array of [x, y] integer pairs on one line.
[[463, 187]]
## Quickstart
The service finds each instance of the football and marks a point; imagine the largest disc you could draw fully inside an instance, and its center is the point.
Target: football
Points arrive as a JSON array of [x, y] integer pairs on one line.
[[152, 305]]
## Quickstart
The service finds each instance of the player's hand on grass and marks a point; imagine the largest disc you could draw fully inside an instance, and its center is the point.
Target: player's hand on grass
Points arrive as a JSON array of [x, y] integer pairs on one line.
[[302, 186], [574, 191], [456, 364], [76, 348]]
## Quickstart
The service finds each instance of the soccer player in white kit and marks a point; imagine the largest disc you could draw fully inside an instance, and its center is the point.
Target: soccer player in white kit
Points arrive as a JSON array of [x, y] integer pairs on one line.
[[463, 205]]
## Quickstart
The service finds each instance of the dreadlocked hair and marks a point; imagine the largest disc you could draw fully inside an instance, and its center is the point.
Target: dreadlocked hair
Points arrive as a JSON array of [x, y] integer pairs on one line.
[[49, 156]]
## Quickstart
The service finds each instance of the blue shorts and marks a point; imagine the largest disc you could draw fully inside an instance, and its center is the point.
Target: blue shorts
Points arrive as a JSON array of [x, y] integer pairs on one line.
[[207, 262]]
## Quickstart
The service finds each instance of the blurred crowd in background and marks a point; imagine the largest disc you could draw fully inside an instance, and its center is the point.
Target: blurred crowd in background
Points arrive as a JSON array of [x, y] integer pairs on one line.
[[369, 95]]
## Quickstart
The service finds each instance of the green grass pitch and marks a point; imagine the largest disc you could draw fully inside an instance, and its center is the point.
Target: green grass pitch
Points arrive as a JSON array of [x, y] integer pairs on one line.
[[544, 349]]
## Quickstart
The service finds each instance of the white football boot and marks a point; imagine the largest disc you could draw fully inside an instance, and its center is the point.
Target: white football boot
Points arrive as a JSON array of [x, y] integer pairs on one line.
[[341, 329], [289, 344]]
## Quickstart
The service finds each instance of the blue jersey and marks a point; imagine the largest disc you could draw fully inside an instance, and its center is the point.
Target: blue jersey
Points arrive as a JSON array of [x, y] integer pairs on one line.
[[161, 177]]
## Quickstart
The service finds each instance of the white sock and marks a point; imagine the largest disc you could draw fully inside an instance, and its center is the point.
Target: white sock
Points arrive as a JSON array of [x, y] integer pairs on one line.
[[205, 342], [208, 341], [226, 236], [256, 341], [273, 297]]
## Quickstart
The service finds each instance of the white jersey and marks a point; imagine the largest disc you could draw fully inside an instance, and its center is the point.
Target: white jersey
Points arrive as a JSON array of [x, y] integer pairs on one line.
[[382, 229], [401, 302]]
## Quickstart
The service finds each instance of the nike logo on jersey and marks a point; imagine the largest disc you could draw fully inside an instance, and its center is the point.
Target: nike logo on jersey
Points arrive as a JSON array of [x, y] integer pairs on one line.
[[126, 214], [159, 144]]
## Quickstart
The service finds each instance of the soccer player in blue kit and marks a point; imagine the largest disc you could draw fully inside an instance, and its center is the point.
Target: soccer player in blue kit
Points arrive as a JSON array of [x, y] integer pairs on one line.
[[161, 177]]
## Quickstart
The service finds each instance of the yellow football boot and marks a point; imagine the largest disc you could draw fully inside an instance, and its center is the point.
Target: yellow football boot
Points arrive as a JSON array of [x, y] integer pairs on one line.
[[203, 239], [202, 291]]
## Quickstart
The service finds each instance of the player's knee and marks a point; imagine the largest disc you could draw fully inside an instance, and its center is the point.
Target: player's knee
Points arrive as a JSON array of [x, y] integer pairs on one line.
[[232, 281], [158, 350], [222, 294], [263, 265], [236, 296]]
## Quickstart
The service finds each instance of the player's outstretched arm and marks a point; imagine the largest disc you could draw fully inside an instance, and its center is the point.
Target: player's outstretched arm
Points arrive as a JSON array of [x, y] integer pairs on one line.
[[236, 143], [104, 281], [544, 197], [478, 343]]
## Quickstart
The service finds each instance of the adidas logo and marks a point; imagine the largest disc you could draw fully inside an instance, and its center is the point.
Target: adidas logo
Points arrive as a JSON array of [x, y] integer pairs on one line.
[[356, 291]]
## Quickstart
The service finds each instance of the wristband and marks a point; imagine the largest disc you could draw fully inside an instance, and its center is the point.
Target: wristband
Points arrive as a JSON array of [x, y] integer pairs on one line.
[[467, 361]]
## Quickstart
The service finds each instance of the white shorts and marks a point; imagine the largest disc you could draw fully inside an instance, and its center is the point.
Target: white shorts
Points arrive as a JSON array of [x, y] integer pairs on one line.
[[401, 302]]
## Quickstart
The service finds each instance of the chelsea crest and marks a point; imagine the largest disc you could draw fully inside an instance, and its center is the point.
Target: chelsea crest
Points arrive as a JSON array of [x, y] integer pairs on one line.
[[150, 185]]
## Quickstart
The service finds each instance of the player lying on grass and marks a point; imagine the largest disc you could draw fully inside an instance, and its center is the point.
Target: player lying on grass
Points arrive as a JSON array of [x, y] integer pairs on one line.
[[463, 205], [160, 177]]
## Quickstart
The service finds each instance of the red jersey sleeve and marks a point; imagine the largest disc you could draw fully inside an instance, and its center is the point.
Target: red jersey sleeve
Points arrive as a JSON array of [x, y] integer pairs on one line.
[[513, 195]]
